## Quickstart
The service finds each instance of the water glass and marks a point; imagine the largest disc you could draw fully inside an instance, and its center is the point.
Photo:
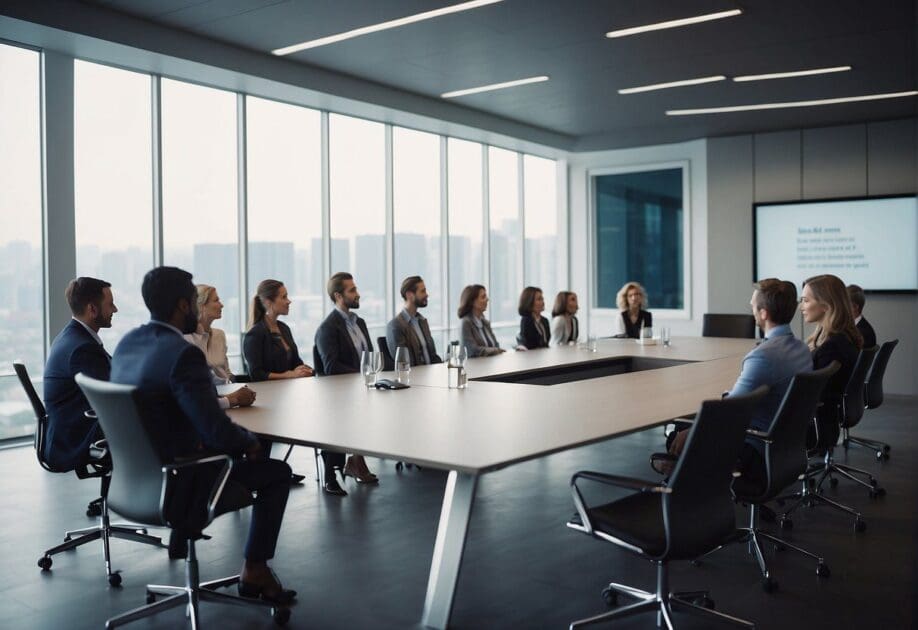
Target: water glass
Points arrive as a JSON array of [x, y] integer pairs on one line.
[[592, 343], [665, 335], [368, 367], [402, 365]]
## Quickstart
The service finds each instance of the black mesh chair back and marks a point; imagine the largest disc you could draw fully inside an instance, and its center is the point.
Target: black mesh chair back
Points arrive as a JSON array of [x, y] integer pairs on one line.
[[728, 325], [138, 481], [852, 403], [785, 453], [388, 361], [41, 416], [702, 477], [873, 391], [317, 364]]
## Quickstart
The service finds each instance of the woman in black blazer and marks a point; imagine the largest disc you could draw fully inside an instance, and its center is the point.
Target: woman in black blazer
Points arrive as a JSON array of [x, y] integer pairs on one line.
[[825, 302], [535, 331], [268, 346], [631, 301]]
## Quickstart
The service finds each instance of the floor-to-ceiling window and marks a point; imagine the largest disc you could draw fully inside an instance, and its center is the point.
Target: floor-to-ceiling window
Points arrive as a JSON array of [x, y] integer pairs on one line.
[[284, 210], [21, 285], [113, 186], [506, 241], [466, 221], [199, 184], [540, 224]]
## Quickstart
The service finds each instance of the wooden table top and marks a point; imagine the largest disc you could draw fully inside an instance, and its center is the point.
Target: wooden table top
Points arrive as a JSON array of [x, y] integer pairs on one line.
[[492, 425]]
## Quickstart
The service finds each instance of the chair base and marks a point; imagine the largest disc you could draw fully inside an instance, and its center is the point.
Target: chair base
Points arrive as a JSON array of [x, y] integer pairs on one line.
[[880, 448], [812, 497], [191, 595], [663, 602], [104, 531]]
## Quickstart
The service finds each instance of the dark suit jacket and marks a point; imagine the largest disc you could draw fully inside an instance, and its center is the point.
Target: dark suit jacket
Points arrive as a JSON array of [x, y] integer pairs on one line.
[[177, 398], [70, 433], [335, 348], [836, 348], [264, 353], [529, 335], [867, 332], [401, 333]]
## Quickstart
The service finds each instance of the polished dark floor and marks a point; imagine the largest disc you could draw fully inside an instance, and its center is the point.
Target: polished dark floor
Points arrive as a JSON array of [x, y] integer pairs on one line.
[[362, 562]]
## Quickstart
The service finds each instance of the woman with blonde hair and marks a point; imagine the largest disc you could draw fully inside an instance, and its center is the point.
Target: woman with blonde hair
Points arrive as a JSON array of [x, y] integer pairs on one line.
[[825, 302], [631, 301], [211, 341]]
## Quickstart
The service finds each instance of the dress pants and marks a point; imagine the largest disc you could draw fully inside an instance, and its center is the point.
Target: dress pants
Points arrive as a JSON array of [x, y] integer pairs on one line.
[[332, 459], [270, 478]]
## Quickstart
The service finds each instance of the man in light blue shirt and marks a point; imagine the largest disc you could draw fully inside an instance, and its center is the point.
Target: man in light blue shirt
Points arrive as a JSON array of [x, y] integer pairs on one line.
[[409, 328]]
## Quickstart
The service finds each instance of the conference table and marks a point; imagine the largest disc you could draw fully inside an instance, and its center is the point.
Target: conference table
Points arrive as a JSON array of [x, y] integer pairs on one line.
[[518, 406]]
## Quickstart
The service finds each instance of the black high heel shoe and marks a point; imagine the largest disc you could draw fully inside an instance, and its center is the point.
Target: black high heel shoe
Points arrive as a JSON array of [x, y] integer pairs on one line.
[[282, 597]]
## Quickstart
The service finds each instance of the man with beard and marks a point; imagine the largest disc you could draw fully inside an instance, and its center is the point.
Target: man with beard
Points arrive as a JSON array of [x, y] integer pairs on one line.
[[409, 328], [340, 339], [184, 419], [77, 348]]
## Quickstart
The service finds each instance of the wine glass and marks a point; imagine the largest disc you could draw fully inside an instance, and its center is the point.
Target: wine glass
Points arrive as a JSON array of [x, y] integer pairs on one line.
[[402, 364], [377, 364]]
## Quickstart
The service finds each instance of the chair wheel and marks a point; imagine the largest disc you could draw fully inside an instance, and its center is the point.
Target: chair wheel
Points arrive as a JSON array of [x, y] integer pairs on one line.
[[769, 584], [151, 598], [93, 510], [45, 563], [114, 579], [877, 492], [704, 602], [399, 465], [872, 482], [822, 570], [860, 525], [610, 597], [833, 481], [281, 616], [882, 456], [67, 538], [886, 448], [786, 523]]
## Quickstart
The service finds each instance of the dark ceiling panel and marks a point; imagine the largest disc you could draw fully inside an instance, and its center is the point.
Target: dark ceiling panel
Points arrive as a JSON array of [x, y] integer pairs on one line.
[[520, 38]]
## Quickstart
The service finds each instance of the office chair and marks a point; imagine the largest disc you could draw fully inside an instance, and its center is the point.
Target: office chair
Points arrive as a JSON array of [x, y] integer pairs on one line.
[[388, 361], [849, 412], [728, 325], [97, 466], [785, 462], [185, 496], [680, 519], [873, 395]]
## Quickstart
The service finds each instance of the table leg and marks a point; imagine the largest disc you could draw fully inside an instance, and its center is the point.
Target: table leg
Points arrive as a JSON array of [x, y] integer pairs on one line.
[[447, 555]]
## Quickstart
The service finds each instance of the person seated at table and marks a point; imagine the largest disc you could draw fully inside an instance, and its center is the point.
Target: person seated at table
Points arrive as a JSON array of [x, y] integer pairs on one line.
[[475, 332], [826, 303], [176, 392], [340, 339], [77, 348], [858, 300], [409, 328], [534, 329], [631, 301], [212, 342], [774, 362], [565, 328], [268, 346]]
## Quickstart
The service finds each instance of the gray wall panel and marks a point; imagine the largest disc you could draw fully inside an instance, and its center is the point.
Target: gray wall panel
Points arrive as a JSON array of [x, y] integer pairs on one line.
[[835, 162], [891, 167], [778, 173], [730, 183]]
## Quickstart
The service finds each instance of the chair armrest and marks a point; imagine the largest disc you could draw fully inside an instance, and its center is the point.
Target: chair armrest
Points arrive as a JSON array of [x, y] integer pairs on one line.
[[762, 436], [620, 481], [89, 414], [219, 481]]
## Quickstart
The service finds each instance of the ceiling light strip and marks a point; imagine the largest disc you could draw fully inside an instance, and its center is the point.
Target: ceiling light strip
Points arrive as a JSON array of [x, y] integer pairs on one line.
[[672, 84], [673, 23], [357, 32], [824, 101], [788, 75], [494, 86]]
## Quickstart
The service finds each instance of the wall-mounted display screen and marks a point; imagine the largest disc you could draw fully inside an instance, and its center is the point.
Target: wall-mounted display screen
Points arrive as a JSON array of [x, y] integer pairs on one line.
[[869, 242]]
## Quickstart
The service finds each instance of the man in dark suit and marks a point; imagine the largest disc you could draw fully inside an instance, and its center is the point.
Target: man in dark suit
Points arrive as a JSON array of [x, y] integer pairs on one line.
[[340, 339], [858, 300], [184, 418], [77, 348], [409, 328]]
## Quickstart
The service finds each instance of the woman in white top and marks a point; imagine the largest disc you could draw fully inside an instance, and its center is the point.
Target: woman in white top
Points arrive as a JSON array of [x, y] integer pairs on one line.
[[565, 328], [212, 341]]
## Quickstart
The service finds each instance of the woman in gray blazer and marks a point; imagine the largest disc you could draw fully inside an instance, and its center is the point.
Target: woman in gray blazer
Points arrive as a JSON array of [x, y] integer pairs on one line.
[[476, 334]]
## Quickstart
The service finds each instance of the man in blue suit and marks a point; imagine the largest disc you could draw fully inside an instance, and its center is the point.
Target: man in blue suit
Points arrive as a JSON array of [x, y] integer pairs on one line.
[[774, 362], [77, 348], [185, 419]]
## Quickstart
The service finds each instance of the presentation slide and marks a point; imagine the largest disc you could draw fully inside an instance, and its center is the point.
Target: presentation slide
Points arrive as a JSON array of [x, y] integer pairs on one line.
[[869, 242]]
